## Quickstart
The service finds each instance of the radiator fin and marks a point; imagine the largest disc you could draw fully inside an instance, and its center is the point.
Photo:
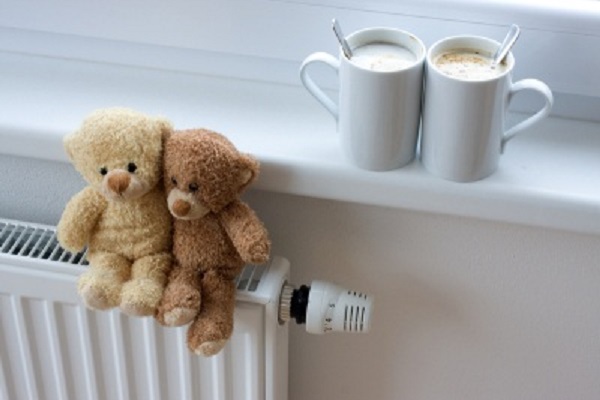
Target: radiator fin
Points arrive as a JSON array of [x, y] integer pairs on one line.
[[54, 351]]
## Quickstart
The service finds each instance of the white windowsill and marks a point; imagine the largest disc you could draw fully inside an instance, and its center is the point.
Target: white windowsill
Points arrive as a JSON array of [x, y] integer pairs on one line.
[[547, 178]]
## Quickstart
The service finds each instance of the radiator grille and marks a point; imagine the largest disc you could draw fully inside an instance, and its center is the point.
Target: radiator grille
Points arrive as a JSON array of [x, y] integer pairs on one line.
[[35, 241], [39, 242]]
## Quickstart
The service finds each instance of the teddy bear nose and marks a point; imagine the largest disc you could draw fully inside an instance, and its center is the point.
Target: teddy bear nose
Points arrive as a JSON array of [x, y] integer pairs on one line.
[[181, 207], [118, 183]]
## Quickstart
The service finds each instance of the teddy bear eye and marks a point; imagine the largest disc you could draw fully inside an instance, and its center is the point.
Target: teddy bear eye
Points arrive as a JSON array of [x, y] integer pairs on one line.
[[174, 181], [103, 171], [131, 167], [193, 187]]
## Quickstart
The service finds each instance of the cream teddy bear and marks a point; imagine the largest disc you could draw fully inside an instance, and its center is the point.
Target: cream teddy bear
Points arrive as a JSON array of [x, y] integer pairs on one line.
[[122, 214]]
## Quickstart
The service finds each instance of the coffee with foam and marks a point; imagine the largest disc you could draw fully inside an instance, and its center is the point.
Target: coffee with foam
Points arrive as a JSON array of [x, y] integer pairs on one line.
[[383, 57], [468, 65]]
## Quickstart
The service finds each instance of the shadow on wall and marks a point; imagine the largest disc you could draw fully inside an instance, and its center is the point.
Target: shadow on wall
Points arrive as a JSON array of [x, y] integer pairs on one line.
[[36, 190]]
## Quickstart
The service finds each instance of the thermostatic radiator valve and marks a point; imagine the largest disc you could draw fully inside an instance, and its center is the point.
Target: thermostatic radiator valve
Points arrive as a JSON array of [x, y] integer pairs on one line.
[[325, 307]]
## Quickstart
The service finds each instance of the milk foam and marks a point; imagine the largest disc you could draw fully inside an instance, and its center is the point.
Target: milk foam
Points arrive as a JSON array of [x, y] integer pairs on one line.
[[383, 57], [468, 65]]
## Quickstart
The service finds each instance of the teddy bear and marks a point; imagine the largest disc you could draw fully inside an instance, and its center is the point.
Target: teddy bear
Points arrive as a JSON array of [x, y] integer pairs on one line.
[[121, 215], [214, 235]]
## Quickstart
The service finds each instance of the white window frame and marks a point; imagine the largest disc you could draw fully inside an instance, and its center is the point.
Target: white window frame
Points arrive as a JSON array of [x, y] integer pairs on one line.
[[266, 39]]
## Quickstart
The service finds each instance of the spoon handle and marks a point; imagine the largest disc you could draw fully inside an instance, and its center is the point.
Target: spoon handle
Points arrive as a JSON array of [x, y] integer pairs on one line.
[[509, 41], [340, 36]]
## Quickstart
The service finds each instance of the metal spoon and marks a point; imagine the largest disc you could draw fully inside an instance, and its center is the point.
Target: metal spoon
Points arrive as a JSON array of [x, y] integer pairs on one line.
[[507, 44], [340, 36]]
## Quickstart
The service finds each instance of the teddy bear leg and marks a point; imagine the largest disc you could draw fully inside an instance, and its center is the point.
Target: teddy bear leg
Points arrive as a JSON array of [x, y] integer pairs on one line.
[[180, 302], [141, 294], [100, 286], [209, 333]]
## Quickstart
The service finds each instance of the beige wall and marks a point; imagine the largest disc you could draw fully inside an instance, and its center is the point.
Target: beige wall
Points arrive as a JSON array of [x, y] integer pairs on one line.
[[464, 309]]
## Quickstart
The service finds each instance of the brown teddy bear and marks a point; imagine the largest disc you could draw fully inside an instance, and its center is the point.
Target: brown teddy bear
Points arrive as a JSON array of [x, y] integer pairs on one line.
[[122, 214], [214, 235]]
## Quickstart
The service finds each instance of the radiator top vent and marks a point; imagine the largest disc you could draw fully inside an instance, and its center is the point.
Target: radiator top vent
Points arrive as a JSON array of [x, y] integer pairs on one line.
[[34, 241]]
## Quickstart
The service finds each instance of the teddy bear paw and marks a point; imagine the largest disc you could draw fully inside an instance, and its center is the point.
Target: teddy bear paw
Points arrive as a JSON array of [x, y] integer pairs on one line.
[[208, 349], [99, 294], [140, 297], [71, 243], [179, 316], [259, 253]]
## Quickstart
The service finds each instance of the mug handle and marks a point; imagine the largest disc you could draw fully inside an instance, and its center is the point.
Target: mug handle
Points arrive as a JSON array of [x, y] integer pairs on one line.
[[539, 87], [312, 87]]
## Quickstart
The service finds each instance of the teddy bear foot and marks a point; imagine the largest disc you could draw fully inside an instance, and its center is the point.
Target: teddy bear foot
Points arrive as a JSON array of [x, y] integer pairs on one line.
[[99, 294], [208, 349], [140, 297], [97, 299], [179, 316], [180, 304]]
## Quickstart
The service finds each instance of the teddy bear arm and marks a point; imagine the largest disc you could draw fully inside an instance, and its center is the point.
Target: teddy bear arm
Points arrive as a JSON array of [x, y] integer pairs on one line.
[[247, 233], [79, 218]]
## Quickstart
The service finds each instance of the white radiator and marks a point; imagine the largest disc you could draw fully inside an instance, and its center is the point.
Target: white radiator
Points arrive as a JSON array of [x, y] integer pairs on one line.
[[52, 347]]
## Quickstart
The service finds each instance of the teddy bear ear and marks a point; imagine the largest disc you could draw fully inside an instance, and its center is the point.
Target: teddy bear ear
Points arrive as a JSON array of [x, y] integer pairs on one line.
[[249, 171], [68, 145], [166, 129]]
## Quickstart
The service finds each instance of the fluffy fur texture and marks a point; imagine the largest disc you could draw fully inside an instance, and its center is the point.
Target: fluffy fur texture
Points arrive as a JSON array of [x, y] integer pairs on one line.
[[122, 214], [214, 235]]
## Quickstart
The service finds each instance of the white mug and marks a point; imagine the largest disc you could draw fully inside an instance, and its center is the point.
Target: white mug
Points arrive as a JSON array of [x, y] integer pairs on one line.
[[378, 112], [463, 127]]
